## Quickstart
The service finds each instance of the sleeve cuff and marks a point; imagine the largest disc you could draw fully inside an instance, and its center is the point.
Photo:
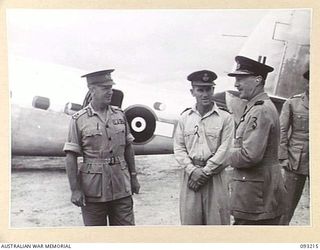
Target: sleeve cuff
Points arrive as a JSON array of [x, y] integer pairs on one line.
[[215, 169], [129, 138], [69, 146], [190, 168]]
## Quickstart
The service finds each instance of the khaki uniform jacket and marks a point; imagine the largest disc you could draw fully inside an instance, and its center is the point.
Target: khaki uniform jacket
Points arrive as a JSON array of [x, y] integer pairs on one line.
[[257, 186], [294, 139], [96, 140], [206, 138]]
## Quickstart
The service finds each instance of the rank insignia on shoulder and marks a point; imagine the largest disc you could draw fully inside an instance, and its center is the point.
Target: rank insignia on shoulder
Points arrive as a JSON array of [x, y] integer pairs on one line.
[[79, 113], [296, 96], [116, 108], [185, 110], [75, 116], [259, 103], [225, 109]]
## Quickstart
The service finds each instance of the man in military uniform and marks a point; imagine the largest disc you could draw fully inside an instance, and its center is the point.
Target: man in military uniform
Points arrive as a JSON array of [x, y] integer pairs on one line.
[[257, 185], [106, 179], [294, 147], [202, 140]]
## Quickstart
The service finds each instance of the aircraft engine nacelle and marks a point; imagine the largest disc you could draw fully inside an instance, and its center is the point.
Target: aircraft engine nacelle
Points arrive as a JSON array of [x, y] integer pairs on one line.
[[41, 102], [142, 122], [70, 108]]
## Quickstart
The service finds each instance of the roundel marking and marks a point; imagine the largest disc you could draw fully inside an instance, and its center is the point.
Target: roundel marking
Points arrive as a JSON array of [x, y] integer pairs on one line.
[[138, 124], [142, 122]]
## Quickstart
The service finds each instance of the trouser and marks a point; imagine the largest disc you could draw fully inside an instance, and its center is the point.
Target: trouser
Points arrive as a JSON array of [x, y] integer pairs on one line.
[[209, 205], [294, 184], [273, 221], [117, 213]]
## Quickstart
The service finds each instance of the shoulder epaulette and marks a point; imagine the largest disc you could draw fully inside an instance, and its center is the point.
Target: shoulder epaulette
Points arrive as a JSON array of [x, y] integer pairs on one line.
[[225, 109], [185, 110], [80, 113], [258, 103], [117, 108], [296, 96]]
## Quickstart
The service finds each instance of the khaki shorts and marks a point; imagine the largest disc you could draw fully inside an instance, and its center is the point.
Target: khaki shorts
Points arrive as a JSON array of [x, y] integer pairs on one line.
[[113, 213]]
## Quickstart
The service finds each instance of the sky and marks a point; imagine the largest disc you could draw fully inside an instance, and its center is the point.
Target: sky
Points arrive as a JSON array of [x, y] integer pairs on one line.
[[157, 48]]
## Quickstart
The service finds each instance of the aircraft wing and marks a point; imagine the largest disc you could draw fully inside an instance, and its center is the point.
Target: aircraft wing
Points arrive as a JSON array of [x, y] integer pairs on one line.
[[39, 132]]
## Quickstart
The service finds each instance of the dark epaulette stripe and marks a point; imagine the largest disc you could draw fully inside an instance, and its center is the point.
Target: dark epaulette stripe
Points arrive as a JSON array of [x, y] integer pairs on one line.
[[259, 103], [225, 109], [185, 110]]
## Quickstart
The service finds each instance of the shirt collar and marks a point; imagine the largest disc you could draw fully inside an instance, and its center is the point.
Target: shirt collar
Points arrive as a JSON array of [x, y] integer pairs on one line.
[[214, 108], [95, 112]]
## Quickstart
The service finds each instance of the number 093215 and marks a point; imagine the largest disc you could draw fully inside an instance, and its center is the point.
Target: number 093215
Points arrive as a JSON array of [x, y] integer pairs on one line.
[[309, 245]]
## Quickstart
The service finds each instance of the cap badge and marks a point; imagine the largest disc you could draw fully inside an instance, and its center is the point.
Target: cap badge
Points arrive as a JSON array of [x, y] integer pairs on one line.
[[238, 66], [205, 77]]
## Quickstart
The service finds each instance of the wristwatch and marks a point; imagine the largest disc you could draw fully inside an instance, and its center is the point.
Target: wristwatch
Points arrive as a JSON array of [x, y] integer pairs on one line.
[[133, 173]]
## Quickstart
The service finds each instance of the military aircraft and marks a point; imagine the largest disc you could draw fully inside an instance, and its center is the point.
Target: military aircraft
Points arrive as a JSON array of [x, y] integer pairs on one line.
[[282, 39]]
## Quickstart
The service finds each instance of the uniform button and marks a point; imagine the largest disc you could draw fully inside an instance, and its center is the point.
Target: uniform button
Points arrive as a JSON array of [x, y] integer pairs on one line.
[[107, 126], [109, 138], [243, 178], [111, 152]]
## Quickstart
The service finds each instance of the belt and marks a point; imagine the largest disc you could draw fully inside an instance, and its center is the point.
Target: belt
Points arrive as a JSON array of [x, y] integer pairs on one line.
[[300, 137], [111, 161], [199, 162]]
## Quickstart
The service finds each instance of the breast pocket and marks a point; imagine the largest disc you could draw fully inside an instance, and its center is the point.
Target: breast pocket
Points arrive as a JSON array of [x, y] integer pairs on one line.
[[189, 133], [91, 179], [120, 135], [213, 137], [92, 138], [300, 121]]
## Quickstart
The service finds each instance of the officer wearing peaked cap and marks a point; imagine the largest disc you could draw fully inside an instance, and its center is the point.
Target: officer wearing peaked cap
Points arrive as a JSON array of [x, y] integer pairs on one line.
[[202, 78], [257, 188], [107, 178], [100, 77], [248, 67], [294, 146], [201, 143]]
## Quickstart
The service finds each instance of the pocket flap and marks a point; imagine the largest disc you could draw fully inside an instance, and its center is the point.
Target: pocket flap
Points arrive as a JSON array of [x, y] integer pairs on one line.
[[296, 148], [253, 175], [91, 168], [188, 133], [91, 132]]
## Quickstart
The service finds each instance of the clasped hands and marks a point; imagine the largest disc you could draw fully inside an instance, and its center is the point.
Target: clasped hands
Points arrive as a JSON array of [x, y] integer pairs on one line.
[[197, 179]]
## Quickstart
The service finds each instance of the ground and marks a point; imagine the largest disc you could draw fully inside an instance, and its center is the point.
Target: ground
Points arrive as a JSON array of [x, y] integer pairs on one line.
[[40, 195]]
